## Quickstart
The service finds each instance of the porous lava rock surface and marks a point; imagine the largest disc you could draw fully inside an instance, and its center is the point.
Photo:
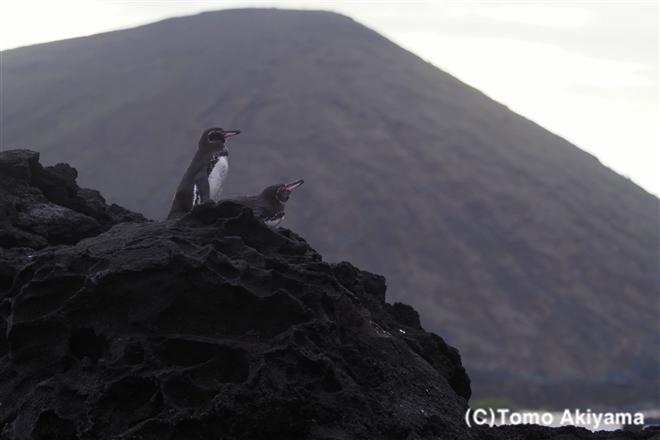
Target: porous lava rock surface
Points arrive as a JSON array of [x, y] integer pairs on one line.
[[44, 206], [212, 326]]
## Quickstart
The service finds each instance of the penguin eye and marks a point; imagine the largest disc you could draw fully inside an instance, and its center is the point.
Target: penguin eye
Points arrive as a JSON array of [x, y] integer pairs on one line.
[[215, 136]]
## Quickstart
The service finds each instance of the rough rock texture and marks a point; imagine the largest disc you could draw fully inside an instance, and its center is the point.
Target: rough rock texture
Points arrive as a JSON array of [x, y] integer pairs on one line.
[[212, 326], [44, 206]]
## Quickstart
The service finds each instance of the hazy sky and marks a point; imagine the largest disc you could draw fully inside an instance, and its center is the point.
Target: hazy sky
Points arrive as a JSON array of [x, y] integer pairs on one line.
[[587, 71]]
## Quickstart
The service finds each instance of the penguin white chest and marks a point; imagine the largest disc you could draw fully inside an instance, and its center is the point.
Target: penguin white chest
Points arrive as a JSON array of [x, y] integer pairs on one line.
[[218, 175], [273, 222]]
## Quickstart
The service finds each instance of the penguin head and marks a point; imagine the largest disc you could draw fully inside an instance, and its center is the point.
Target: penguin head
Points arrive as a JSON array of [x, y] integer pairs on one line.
[[216, 137], [283, 191]]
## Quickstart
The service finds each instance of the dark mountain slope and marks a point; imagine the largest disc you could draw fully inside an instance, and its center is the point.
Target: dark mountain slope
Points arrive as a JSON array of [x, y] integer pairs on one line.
[[529, 255]]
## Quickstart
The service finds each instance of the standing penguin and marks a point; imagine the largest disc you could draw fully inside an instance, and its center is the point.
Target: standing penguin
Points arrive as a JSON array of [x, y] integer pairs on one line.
[[204, 176], [269, 205]]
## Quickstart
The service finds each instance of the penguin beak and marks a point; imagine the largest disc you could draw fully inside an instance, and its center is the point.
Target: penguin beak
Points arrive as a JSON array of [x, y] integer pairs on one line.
[[293, 185], [230, 133]]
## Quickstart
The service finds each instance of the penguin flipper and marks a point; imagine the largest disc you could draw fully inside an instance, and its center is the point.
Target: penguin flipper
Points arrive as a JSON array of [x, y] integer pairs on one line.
[[201, 191]]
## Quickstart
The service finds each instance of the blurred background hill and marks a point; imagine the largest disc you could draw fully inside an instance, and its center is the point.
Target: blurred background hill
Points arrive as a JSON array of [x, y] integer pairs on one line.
[[537, 262]]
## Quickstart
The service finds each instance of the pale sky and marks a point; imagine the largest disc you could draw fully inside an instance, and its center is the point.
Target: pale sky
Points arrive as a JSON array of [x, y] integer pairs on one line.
[[586, 71]]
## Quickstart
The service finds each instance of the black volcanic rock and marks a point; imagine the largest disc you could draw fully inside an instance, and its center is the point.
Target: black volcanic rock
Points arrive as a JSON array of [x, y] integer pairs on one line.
[[45, 206], [220, 326], [215, 326], [212, 324]]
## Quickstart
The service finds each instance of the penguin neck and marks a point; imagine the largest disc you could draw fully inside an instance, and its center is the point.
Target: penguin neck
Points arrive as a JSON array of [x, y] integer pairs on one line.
[[207, 147], [273, 202]]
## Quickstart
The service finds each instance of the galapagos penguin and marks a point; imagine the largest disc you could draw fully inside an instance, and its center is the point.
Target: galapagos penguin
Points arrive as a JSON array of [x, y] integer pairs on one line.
[[269, 205], [205, 174]]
